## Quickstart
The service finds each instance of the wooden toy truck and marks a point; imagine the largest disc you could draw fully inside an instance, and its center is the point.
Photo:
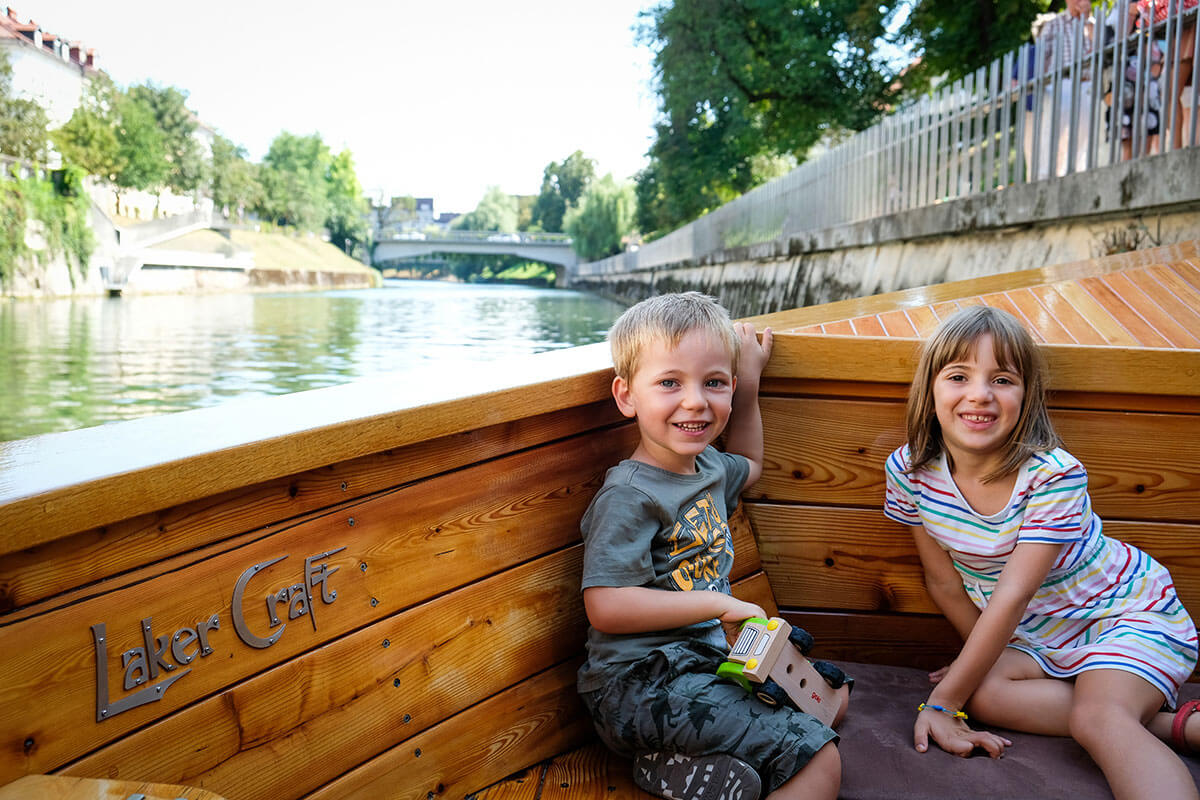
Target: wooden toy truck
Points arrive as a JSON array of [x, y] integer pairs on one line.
[[767, 660]]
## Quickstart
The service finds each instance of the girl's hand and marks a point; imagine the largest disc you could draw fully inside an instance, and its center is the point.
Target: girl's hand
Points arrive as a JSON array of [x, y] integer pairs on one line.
[[954, 736], [936, 676], [753, 355]]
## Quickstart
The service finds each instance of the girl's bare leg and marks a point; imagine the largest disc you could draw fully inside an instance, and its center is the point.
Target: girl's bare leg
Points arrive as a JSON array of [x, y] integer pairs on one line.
[[1109, 717], [820, 779], [1016, 694]]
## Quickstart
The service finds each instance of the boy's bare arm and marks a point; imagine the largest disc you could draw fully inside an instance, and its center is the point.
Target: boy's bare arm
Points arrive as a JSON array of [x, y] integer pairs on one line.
[[744, 434], [639, 609]]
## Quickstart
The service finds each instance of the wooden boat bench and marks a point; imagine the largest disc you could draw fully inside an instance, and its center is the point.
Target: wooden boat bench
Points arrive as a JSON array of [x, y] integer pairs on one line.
[[372, 590]]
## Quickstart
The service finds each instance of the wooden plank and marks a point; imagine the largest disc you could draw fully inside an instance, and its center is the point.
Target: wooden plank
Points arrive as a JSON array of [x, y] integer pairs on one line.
[[1132, 370], [1039, 318], [57, 787], [1160, 319], [1180, 299], [871, 563], [533, 721], [1002, 301], [57, 484], [1074, 323], [1097, 315], [524, 785], [839, 559], [36, 573], [939, 293], [591, 773], [353, 698], [924, 320], [903, 640], [1122, 312], [401, 547], [867, 326]]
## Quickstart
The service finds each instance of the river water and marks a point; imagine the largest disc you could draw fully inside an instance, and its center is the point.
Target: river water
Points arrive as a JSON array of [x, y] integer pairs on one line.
[[75, 363]]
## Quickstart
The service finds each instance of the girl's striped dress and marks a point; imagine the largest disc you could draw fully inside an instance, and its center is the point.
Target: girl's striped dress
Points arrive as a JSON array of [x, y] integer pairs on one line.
[[1104, 604]]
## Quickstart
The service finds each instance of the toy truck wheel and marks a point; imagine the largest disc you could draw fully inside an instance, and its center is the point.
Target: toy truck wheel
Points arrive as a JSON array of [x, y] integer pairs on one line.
[[802, 639], [771, 693]]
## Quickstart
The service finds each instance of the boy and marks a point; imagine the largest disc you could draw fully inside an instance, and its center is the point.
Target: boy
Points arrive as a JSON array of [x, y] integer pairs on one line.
[[657, 556]]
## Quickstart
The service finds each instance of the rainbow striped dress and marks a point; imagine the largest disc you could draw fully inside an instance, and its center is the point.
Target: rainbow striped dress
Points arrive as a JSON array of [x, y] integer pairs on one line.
[[1104, 605]]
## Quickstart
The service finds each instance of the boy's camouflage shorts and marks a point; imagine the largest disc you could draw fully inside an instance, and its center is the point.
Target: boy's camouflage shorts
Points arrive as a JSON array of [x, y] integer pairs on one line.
[[673, 701]]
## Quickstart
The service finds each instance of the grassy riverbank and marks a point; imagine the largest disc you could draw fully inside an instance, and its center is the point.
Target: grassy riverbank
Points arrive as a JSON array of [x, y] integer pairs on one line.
[[272, 251]]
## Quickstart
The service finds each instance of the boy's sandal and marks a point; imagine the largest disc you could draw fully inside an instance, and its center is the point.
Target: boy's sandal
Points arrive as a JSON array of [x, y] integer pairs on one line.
[[1180, 722], [676, 776]]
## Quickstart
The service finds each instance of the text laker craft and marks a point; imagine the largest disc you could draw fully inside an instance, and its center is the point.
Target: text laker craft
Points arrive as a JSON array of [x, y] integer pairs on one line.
[[349, 594]]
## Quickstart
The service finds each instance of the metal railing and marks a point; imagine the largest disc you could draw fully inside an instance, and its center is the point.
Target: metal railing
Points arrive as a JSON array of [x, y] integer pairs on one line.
[[475, 236], [1001, 125]]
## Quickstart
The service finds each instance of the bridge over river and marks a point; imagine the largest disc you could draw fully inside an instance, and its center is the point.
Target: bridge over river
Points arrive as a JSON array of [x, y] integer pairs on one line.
[[549, 248]]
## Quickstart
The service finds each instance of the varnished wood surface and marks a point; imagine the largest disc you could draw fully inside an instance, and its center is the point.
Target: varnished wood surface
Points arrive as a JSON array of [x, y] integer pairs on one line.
[[941, 297], [831, 451], [60, 483], [58, 787]]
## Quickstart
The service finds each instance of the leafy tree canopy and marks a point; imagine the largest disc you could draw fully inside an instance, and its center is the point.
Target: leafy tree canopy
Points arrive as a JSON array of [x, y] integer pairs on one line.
[[294, 181], [738, 79], [346, 219], [89, 139], [186, 161], [235, 182], [22, 121], [562, 187], [141, 149], [603, 219], [497, 211]]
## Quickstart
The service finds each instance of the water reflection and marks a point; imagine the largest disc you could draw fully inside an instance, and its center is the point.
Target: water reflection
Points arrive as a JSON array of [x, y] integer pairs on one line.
[[75, 363]]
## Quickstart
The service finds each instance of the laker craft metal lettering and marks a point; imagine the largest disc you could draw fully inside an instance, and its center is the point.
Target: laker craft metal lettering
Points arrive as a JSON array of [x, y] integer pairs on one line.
[[162, 655]]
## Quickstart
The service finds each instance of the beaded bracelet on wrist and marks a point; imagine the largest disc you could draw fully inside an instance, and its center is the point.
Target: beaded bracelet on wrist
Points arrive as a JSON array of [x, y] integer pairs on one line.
[[944, 710]]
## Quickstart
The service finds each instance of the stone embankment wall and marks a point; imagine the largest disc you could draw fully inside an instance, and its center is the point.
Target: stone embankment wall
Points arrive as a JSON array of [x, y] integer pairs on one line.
[[1123, 207]]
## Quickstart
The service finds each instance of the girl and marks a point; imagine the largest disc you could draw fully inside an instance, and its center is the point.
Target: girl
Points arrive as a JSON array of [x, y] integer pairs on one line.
[[1066, 632]]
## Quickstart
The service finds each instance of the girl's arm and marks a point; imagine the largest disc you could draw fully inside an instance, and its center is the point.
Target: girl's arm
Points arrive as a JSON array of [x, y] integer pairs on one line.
[[1025, 571], [944, 584], [640, 609], [744, 433]]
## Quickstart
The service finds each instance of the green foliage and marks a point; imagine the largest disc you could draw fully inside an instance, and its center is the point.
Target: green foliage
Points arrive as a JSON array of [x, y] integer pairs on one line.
[[186, 162], [346, 218], [141, 148], [562, 187], [603, 219], [742, 79], [497, 211], [22, 122], [294, 181], [235, 182], [61, 205], [954, 39], [89, 139]]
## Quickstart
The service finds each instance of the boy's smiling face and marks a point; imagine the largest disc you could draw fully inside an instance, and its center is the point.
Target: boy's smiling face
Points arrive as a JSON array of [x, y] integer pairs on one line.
[[681, 397]]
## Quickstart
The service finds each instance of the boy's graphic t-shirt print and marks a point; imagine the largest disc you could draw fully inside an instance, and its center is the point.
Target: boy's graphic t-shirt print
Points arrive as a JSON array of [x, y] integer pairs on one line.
[[697, 544]]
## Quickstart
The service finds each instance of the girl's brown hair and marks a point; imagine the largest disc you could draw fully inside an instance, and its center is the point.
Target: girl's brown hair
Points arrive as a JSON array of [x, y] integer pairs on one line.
[[1015, 349]]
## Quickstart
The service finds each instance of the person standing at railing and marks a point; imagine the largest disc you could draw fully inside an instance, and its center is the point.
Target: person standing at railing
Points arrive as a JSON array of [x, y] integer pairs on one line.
[[1055, 35]]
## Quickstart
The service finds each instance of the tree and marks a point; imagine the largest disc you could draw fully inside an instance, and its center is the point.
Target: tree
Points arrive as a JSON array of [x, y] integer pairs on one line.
[[187, 165], [293, 174], [739, 80], [235, 183], [89, 139], [141, 152], [603, 219], [954, 39], [22, 121], [346, 219], [497, 211], [562, 187]]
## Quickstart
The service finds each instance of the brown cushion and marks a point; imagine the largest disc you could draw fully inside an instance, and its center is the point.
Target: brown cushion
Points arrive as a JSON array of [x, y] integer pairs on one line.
[[879, 762]]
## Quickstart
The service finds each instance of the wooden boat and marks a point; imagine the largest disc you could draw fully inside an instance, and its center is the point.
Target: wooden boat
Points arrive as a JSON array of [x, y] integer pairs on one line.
[[371, 590]]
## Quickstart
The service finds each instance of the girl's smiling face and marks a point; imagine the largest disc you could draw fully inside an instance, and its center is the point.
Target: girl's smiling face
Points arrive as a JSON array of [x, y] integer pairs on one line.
[[978, 403]]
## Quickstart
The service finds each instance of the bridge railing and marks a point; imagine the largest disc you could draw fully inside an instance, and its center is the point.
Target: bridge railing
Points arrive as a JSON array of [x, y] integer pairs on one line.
[[477, 236], [1019, 119]]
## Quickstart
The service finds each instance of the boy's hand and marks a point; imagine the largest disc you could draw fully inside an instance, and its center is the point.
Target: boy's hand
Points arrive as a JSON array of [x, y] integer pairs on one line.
[[753, 355], [739, 610]]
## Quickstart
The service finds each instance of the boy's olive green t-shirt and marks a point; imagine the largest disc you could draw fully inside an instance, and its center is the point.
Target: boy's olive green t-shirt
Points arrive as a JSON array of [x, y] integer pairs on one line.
[[659, 529]]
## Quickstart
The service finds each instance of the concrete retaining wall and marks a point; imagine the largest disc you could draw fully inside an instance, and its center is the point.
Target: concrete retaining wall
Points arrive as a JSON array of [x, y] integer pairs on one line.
[[1123, 207]]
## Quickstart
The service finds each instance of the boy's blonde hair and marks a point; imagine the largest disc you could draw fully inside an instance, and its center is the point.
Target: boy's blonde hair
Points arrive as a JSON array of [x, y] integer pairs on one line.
[[1013, 348], [668, 318]]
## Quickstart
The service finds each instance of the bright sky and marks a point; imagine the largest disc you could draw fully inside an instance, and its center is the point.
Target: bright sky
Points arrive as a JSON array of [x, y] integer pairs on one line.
[[441, 98]]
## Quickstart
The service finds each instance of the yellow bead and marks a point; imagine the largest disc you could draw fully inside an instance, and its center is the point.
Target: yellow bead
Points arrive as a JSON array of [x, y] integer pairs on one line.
[[752, 663], [773, 624]]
